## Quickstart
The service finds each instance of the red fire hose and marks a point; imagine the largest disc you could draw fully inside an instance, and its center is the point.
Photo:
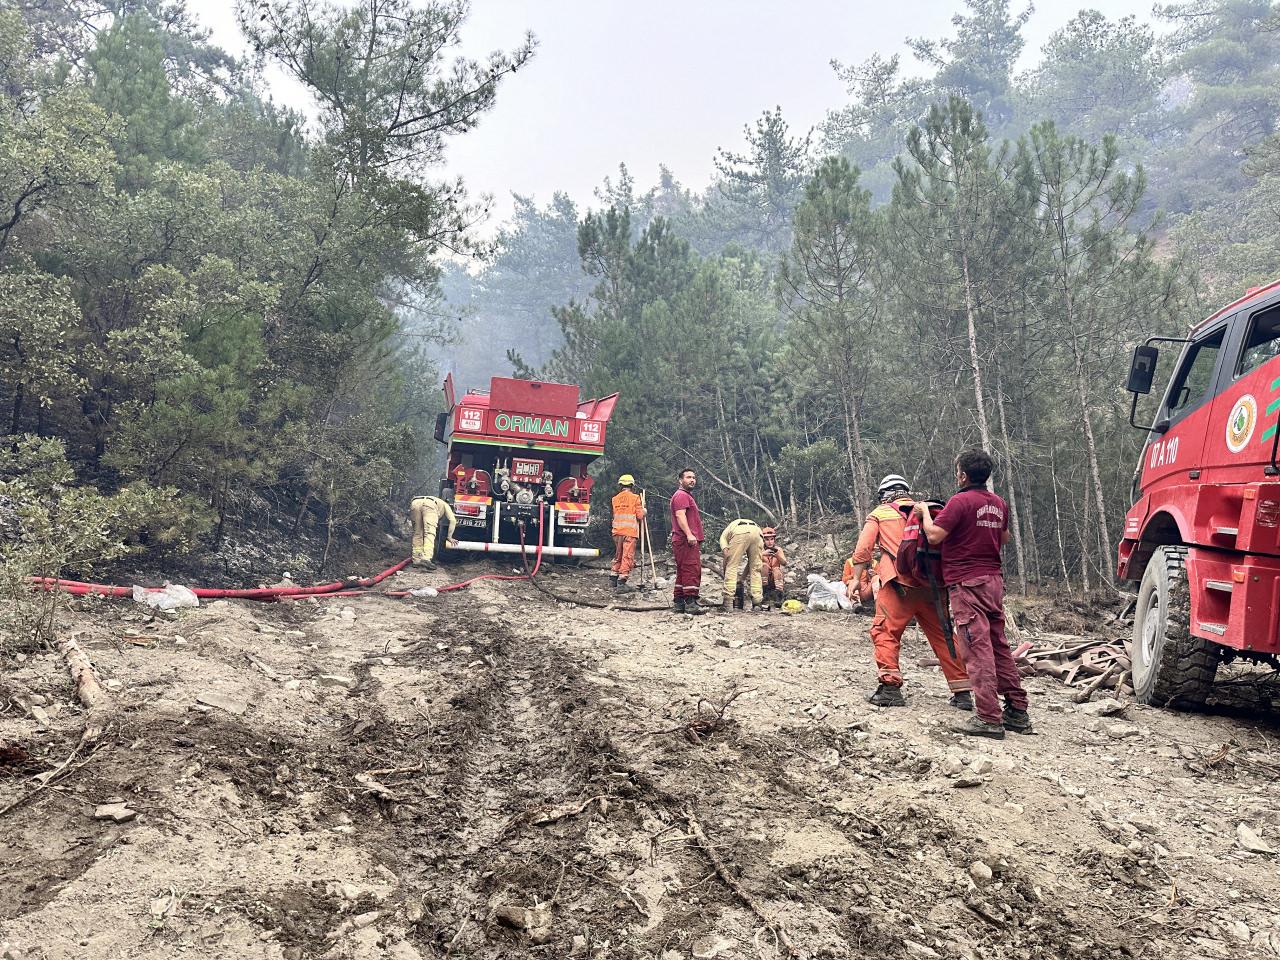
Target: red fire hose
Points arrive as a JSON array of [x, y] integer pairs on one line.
[[338, 588]]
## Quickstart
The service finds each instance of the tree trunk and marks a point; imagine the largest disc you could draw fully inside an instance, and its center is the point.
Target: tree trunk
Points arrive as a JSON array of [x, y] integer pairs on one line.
[[1015, 520], [1095, 473], [853, 447], [1057, 515], [15, 419], [975, 364]]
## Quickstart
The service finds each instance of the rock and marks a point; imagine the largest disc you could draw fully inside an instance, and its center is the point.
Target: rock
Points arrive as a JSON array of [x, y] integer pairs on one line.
[[980, 872], [817, 711], [114, 684], [1249, 839], [346, 613], [710, 947], [1103, 708], [919, 950], [293, 683], [336, 680], [1015, 808], [733, 643], [292, 953], [579, 945], [1121, 731], [967, 780], [366, 919], [349, 891], [116, 812], [952, 766], [1240, 930], [229, 704], [980, 766], [1142, 825], [403, 951], [536, 921]]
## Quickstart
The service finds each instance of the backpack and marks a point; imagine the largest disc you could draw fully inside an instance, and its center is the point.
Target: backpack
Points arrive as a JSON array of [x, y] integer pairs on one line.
[[918, 561]]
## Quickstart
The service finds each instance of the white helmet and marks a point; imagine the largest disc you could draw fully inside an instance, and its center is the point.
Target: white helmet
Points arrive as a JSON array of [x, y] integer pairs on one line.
[[892, 481]]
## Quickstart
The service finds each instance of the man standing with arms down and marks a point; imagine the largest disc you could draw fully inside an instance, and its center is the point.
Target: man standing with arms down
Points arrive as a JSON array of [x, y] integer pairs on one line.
[[628, 511], [686, 544], [972, 528]]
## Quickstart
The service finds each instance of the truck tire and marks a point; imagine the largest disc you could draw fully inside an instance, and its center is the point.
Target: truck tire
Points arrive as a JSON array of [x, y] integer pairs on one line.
[[1170, 666]]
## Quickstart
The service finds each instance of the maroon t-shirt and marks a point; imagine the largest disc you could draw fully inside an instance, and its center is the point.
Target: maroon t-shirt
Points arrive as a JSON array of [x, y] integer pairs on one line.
[[682, 500], [974, 520]]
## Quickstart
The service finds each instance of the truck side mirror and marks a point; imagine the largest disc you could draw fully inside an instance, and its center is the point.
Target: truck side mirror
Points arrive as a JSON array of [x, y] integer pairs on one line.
[[442, 423], [1143, 369]]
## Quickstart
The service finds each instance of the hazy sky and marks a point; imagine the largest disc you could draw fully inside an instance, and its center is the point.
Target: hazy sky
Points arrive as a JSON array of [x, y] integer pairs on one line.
[[660, 81]]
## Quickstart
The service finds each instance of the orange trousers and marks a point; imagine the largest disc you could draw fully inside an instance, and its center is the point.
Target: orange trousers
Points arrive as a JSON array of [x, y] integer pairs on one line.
[[894, 613], [624, 556]]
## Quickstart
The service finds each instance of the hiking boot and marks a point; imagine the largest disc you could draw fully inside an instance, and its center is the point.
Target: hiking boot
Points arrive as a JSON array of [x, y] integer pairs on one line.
[[428, 564], [887, 695], [1017, 721], [962, 700], [693, 606], [974, 726], [677, 605], [613, 580], [620, 585]]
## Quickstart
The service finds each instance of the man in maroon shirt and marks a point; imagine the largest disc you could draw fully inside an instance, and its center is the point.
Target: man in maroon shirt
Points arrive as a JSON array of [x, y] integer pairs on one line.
[[972, 528], [686, 544]]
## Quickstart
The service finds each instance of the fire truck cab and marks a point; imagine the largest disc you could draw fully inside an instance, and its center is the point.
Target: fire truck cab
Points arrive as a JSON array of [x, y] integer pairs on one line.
[[517, 463], [1203, 535]]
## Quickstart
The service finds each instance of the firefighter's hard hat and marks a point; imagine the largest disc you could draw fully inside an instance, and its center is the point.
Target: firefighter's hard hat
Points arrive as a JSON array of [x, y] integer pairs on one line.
[[769, 532], [890, 482], [626, 480]]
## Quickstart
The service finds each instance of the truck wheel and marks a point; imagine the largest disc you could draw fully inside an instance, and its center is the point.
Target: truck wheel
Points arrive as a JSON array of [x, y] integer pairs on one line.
[[1170, 666]]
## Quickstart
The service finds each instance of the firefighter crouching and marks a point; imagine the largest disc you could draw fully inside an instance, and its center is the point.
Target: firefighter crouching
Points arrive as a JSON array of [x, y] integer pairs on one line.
[[426, 513], [628, 511], [742, 538], [773, 575], [899, 602]]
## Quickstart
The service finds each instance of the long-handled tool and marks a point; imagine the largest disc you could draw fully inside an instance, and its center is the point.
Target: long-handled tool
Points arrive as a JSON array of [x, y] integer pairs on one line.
[[648, 539]]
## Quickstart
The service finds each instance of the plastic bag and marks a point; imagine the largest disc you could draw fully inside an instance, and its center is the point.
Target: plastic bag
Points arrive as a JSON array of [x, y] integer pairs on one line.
[[171, 597], [424, 592], [827, 596]]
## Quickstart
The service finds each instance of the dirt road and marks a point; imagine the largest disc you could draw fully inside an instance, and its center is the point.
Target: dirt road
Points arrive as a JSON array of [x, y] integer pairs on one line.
[[488, 774]]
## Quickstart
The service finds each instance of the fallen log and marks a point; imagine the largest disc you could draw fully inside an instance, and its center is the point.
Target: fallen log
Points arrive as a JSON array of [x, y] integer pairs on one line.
[[89, 691]]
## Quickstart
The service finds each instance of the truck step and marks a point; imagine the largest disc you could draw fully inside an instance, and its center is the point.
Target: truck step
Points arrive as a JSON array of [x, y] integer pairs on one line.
[[1227, 532], [1223, 585], [1218, 629]]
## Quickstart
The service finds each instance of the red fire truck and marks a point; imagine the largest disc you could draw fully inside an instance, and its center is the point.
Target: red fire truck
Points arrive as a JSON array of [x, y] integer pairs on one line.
[[517, 464], [1203, 535]]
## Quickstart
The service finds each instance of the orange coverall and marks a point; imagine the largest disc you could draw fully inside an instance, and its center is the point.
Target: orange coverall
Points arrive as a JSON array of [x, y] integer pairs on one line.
[[627, 514], [771, 569], [898, 602]]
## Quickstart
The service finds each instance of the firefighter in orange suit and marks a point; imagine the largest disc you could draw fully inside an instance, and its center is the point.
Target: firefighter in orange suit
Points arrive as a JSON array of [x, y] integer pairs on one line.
[[899, 602], [628, 511], [857, 583], [772, 573]]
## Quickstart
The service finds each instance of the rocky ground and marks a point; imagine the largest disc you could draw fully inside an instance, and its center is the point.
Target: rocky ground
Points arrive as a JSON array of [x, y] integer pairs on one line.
[[490, 773]]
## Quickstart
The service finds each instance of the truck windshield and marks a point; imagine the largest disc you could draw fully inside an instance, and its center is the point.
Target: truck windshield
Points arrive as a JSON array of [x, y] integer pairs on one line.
[[1190, 386]]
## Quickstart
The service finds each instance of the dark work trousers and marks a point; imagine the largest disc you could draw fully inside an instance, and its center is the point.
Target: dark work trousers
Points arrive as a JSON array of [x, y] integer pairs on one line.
[[977, 610], [688, 568]]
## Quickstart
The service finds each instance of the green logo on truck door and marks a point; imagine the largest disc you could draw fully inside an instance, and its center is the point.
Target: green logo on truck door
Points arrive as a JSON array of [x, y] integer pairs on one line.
[[521, 423]]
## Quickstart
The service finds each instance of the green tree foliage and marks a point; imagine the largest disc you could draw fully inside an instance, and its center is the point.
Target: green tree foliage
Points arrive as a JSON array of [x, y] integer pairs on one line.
[[197, 294], [976, 63], [828, 285], [758, 189]]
